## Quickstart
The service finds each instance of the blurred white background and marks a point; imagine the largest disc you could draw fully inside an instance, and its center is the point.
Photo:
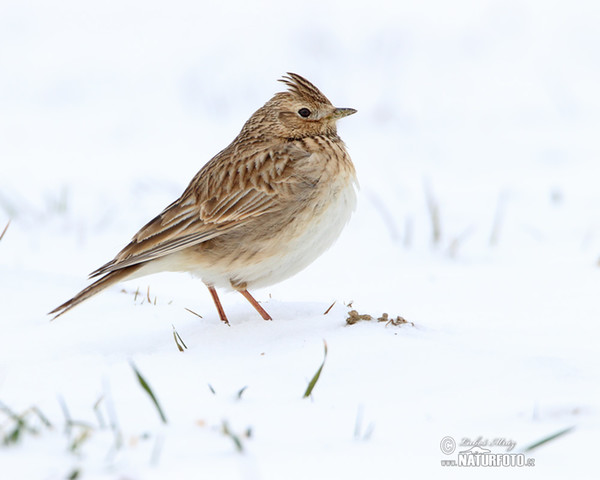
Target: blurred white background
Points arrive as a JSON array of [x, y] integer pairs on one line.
[[479, 98]]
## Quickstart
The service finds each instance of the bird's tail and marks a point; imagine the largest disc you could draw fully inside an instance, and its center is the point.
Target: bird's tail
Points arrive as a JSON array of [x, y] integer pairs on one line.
[[96, 287]]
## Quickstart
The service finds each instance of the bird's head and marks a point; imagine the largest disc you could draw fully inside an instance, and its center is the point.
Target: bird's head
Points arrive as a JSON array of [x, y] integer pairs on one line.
[[301, 111]]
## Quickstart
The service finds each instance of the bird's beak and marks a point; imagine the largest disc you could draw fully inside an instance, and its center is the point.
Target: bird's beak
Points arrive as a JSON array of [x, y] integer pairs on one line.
[[342, 112]]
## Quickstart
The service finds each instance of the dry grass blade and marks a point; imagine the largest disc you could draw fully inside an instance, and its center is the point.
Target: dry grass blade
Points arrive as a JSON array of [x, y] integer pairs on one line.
[[408, 232], [549, 438], [434, 214], [315, 378], [498, 219], [113, 420], [358, 430], [4, 231], [181, 346], [149, 391], [41, 416], [330, 307], [157, 450], [457, 241], [98, 413], [192, 312], [80, 439], [358, 422], [66, 413]]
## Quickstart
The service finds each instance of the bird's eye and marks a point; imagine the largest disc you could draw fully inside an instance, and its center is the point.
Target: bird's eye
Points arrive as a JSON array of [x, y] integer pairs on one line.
[[304, 112]]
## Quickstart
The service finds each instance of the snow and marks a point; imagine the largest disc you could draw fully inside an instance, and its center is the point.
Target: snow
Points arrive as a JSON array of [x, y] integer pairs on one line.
[[489, 109]]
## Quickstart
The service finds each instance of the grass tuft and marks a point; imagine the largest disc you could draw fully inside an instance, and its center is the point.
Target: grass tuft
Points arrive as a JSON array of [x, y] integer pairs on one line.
[[237, 441], [23, 423], [315, 378], [149, 391], [84, 430]]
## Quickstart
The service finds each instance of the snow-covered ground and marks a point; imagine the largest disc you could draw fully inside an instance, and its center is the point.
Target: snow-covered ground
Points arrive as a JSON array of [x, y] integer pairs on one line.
[[479, 117]]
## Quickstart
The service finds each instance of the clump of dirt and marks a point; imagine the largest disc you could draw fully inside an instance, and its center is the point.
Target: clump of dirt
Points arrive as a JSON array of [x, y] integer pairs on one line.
[[354, 317]]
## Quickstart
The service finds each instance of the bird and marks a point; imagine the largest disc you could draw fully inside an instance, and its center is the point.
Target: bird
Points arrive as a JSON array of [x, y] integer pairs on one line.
[[258, 212]]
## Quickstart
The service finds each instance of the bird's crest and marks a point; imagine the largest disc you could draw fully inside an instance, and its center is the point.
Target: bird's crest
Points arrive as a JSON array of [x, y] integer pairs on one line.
[[302, 87]]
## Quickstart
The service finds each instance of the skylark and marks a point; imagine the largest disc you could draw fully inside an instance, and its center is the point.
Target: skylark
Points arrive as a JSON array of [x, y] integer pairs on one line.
[[260, 211]]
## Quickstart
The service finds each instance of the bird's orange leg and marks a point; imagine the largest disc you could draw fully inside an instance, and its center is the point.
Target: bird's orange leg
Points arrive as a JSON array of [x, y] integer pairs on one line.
[[255, 304], [215, 297]]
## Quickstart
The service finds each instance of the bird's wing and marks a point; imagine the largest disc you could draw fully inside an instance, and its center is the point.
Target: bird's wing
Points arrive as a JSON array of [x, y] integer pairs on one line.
[[228, 192]]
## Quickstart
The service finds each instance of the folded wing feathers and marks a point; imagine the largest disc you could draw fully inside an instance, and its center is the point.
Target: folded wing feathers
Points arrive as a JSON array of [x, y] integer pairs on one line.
[[214, 214], [149, 240]]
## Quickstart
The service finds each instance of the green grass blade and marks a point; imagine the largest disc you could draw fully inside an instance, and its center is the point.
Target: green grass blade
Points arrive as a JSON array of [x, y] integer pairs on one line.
[[181, 346], [149, 391], [22, 423], [241, 392], [545, 440], [315, 378], [235, 438]]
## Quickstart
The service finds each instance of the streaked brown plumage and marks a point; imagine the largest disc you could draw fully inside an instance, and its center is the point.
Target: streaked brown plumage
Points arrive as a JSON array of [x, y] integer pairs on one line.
[[260, 211]]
